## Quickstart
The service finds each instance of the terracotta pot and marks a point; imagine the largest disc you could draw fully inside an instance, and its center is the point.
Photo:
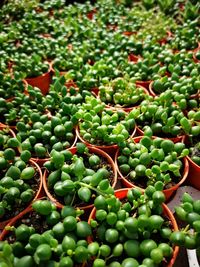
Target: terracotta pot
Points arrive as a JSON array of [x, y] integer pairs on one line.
[[144, 83], [42, 82], [128, 33], [73, 150], [90, 14], [110, 149], [133, 58], [176, 139], [165, 39], [4, 126], [168, 192], [195, 58], [121, 194], [194, 169], [118, 107], [38, 194]]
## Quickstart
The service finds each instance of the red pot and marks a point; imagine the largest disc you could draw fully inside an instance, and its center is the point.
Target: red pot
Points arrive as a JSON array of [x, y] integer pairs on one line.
[[194, 170], [176, 139], [165, 39], [128, 33], [38, 194], [42, 82], [91, 14], [144, 83], [133, 58], [73, 150], [121, 194], [3, 126], [110, 149], [168, 192]]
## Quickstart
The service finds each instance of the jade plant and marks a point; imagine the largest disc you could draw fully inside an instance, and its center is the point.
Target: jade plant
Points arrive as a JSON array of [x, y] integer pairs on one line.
[[75, 177], [147, 161], [102, 126]]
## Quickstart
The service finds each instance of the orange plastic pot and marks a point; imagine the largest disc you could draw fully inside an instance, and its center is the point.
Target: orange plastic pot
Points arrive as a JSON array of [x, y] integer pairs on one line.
[[118, 107], [194, 174], [110, 149], [144, 83], [128, 33], [38, 194], [42, 82], [121, 194], [73, 150], [168, 192], [194, 170], [165, 39], [173, 139], [91, 13], [133, 58], [4, 126]]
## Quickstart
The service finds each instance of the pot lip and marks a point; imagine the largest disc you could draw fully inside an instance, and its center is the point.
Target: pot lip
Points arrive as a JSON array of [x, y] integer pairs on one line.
[[166, 210], [73, 149], [193, 163], [4, 126], [185, 173], [126, 109], [13, 219], [188, 157], [114, 146], [42, 75]]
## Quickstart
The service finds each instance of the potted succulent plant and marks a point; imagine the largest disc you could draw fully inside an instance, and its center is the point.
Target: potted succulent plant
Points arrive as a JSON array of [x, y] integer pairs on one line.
[[101, 127], [121, 93], [78, 175], [41, 137], [128, 231], [145, 161], [21, 183], [45, 234]]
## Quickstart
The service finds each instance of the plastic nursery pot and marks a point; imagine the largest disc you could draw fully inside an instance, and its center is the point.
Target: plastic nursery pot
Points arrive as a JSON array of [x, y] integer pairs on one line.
[[173, 139], [194, 170], [133, 58], [165, 39], [4, 126], [38, 195], [144, 84], [110, 149], [42, 82], [73, 150], [128, 33], [126, 109], [121, 194], [91, 13], [196, 60], [168, 192]]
